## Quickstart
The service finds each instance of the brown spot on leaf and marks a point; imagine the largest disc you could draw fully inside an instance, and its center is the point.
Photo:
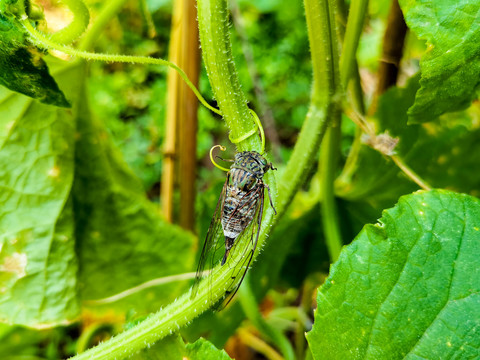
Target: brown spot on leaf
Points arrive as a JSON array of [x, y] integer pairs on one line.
[[16, 263]]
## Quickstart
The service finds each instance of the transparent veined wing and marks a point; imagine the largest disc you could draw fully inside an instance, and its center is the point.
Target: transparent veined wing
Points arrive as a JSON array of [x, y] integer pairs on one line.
[[244, 247], [241, 254], [213, 242]]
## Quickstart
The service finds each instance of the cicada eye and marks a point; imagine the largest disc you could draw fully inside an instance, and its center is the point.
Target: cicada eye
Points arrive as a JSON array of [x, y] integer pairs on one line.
[[267, 167]]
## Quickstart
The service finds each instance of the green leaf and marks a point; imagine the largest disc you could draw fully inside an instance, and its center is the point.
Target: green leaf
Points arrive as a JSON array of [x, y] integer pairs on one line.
[[407, 287], [204, 350], [121, 239], [22, 68], [116, 232], [20, 341], [451, 65], [38, 266], [172, 348]]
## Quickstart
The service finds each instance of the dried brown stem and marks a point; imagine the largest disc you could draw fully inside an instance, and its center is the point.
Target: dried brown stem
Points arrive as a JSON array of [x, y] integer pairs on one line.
[[393, 41], [258, 344], [182, 115], [190, 62]]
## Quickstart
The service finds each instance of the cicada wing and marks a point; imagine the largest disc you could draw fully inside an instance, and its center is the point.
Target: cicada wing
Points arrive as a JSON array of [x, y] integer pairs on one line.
[[213, 242], [246, 244]]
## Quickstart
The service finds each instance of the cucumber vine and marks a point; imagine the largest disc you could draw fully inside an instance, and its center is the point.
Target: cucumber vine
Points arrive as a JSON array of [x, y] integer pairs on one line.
[[217, 54]]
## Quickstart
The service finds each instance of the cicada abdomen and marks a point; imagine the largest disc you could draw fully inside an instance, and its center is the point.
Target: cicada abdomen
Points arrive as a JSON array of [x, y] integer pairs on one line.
[[244, 192], [239, 209]]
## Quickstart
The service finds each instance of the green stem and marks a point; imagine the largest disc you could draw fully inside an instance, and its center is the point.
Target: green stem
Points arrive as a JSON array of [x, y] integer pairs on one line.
[[88, 334], [323, 46], [331, 148], [157, 326], [356, 17], [105, 15], [40, 40], [217, 55], [355, 92], [328, 168], [250, 307], [357, 101]]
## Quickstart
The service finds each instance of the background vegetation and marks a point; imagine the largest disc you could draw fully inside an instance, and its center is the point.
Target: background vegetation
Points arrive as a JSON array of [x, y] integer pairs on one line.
[[82, 167]]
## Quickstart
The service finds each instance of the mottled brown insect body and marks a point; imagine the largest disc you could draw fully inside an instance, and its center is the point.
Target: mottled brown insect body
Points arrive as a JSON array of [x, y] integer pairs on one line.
[[240, 205], [244, 189]]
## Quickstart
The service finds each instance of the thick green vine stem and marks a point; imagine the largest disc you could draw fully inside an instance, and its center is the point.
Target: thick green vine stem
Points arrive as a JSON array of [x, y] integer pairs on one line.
[[253, 131], [217, 55], [330, 149], [324, 99]]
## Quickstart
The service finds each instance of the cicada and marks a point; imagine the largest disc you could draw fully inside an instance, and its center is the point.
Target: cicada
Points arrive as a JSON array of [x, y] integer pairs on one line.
[[238, 216]]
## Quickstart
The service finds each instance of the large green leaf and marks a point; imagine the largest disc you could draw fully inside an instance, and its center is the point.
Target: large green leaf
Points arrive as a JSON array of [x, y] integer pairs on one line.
[[121, 239], [204, 350], [451, 65], [38, 265], [108, 225], [22, 68], [407, 287]]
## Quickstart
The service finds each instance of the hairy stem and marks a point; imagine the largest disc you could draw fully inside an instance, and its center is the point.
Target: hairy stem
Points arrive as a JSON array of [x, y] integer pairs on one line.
[[218, 58], [42, 41]]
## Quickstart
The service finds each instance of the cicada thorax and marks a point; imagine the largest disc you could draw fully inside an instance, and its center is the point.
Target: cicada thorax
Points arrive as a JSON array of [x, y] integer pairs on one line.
[[243, 192]]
